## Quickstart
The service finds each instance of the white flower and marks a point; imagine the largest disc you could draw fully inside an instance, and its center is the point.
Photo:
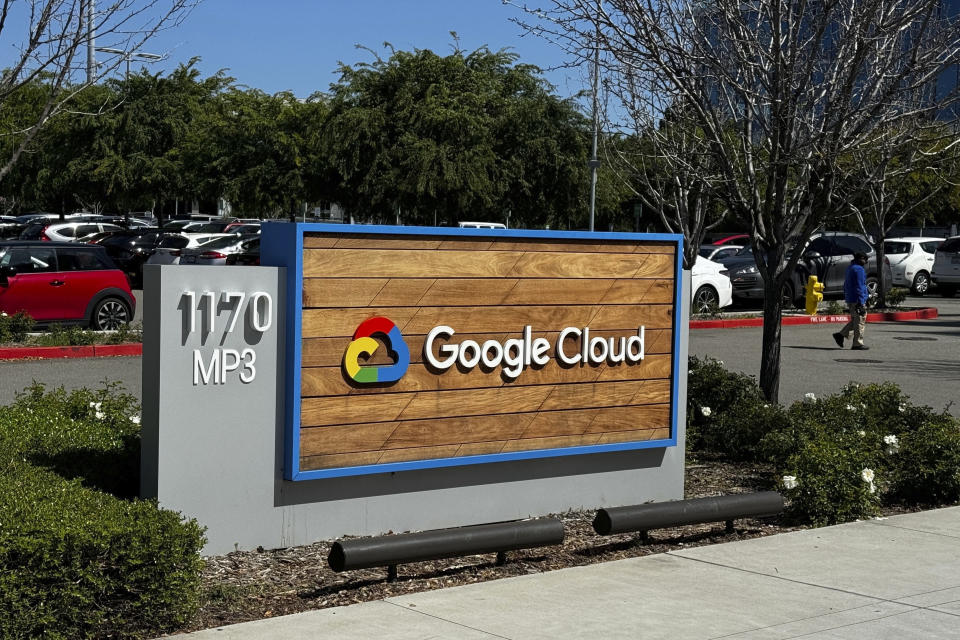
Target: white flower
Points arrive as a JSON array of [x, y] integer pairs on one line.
[[135, 419], [862, 433], [790, 482], [95, 405], [850, 407], [893, 445], [705, 411], [100, 415], [766, 406], [867, 475], [809, 397], [902, 407]]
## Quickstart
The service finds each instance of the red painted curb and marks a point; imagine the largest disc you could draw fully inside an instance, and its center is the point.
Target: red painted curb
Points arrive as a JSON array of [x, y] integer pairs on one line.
[[885, 316], [20, 353], [85, 351], [133, 349]]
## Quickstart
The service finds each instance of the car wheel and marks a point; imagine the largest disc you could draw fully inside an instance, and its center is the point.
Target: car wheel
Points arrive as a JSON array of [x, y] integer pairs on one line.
[[873, 291], [110, 314], [789, 299], [706, 300], [921, 283], [947, 290]]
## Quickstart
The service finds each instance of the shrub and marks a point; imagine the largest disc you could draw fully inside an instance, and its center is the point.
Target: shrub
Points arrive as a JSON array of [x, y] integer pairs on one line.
[[896, 296], [712, 391], [927, 469], [16, 327], [831, 486], [76, 561]]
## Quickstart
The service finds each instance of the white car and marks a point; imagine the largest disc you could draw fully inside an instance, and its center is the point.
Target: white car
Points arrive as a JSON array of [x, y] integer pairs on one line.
[[710, 285], [76, 231], [717, 252], [169, 250], [911, 261]]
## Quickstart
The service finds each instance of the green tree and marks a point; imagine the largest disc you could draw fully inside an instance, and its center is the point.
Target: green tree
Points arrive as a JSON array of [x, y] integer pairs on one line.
[[464, 136]]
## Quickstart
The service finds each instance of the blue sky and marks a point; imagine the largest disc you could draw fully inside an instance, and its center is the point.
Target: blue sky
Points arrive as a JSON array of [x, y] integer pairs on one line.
[[296, 44]]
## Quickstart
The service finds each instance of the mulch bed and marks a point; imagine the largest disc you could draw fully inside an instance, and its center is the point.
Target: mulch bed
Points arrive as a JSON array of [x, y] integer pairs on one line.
[[251, 585]]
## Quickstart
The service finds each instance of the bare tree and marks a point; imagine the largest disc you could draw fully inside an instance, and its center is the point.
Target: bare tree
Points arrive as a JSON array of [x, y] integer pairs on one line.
[[668, 166], [53, 41], [782, 91], [884, 172]]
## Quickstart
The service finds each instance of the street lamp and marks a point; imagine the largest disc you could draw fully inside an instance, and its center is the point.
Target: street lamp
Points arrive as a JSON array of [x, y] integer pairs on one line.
[[152, 57]]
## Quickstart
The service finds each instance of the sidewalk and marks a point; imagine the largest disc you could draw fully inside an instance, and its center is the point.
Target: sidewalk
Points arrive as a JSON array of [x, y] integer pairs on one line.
[[894, 578]]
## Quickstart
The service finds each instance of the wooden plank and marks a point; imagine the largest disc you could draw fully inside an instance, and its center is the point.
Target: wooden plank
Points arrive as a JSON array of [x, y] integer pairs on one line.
[[386, 407], [480, 243], [330, 381], [450, 292], [445, 431], [452, 451], [328, 352], [324, 323], [405, 263]]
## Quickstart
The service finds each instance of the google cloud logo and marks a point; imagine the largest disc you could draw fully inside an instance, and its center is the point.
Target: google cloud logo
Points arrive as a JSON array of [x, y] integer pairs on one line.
[[364, 343]]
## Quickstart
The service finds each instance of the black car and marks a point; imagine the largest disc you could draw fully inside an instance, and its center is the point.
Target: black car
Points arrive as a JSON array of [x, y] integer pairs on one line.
[[827, 256], [131, 248], [249, 255]]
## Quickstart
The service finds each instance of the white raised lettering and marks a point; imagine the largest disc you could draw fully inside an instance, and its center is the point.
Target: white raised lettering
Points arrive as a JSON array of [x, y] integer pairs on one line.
[[564, 358], [206, 374], [448, 350]]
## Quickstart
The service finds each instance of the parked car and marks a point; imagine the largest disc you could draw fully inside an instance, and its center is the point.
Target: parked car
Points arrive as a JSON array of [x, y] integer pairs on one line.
[[717, 252], [213, 252], [73, 231], [827, 256], [946, 267], [168, 251], [131, 248], [243, 228], [911, 260], [710, 285], [249, 253], [66, 283]]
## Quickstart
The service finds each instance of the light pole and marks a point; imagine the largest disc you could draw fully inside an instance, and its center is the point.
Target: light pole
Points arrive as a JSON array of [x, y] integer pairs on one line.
[[151, 57]]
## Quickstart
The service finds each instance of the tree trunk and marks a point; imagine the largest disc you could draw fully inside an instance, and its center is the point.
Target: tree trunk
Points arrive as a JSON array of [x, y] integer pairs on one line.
[[770, 350]]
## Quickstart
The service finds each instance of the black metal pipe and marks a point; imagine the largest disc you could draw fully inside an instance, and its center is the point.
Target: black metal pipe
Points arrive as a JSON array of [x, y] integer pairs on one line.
[[695, 511], [363, 553]]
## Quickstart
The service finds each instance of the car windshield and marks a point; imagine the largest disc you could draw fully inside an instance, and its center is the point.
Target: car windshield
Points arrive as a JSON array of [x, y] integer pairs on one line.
[[746, 251], [706, 251], [894, 248]]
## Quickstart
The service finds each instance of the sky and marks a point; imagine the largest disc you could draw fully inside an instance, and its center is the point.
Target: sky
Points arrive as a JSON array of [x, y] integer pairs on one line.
[[297, 45]]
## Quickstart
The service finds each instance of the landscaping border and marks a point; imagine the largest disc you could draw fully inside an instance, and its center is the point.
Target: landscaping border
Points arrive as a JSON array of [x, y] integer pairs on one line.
[[927, 313], [136, 349], [81, 351]]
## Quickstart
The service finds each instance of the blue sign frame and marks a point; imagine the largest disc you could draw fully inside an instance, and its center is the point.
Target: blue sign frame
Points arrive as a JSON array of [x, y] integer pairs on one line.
[[282, 246]]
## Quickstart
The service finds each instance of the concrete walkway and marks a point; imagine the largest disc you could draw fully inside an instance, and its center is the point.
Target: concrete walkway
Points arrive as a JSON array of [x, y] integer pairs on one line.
[[894, 578]]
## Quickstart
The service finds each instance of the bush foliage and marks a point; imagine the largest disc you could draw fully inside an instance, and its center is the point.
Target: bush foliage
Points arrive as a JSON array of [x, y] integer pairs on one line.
[[839, 457], [77, 558]]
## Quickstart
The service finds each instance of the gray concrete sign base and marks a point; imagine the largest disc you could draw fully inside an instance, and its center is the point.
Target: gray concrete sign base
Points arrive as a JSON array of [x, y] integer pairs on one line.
[[883, 579]]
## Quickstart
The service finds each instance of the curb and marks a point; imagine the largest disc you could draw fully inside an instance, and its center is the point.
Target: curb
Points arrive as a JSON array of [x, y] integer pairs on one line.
[[85, 351], [884, 316]]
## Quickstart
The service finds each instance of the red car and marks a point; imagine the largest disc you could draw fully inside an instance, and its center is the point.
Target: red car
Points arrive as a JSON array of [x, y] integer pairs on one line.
[[64, 282]]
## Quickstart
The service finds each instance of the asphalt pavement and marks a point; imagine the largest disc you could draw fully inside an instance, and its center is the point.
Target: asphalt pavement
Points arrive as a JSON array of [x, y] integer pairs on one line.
[[922, 356]]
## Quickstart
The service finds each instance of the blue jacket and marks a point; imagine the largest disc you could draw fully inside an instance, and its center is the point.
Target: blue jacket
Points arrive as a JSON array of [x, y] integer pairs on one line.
[[855, 285]]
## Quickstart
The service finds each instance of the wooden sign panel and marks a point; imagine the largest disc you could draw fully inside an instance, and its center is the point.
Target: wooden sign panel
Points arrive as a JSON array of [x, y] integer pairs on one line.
[[417, 348]]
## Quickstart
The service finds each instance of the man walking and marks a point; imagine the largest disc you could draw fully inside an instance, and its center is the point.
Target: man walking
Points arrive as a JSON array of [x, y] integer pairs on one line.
[[855, 293]]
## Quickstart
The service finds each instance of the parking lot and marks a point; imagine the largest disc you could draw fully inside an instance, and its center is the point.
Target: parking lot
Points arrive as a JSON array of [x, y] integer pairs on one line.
[[921, 356]]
